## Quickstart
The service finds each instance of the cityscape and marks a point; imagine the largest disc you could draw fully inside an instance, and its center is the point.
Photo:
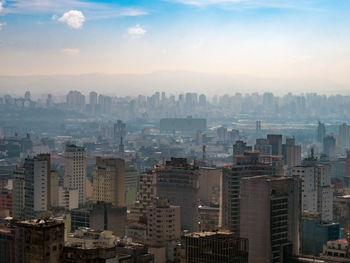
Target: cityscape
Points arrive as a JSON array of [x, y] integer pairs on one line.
[[174, 131]]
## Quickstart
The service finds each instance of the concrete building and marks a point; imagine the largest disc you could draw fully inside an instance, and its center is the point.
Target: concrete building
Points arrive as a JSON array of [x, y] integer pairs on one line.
[[100, 216], [344, 136], [132, 181], [7, 245], [5, 202], [215, 247], [209, 185], [321, 132], [92, 238], [37, 185], [316, 190], [329, 144], [263, 146], [54, 181], [178, 182], [163, 223], [109, 181], [68, 198], [269, 217], [314, 235], [249, 164], [275, 140], [39, 241], [336, 251], [18, 193], [208, 218], [291, 153], [75, 170], [79, 253]]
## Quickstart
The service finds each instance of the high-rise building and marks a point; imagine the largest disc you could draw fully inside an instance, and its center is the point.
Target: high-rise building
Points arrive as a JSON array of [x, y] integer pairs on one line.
[[221, 133], [275, 140], [177, 181], [321, 132], [109, 181], [202, 100], [270, 217], [240, 147], [54, 181], [119, 131], [258, 126], [93, 98], [329, 144], [215, 247], [163, 223], [344, 136], [37, 185], [263, 146], [316, 190], [39, 241], [291, 153], [75, 169], [18, 196], [247, 165]]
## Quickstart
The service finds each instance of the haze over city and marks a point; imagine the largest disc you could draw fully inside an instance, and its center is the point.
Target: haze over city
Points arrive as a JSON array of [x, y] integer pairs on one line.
[[174, 131]]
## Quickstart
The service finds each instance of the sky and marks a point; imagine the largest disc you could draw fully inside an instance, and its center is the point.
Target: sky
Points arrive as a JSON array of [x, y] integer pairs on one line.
[[291, 39]]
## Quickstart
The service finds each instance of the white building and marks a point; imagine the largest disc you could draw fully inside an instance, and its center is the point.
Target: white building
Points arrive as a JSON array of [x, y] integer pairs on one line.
[[317, 194], [75, 170]]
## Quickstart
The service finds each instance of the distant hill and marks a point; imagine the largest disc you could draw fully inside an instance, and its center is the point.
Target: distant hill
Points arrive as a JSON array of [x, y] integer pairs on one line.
[[174, 82]]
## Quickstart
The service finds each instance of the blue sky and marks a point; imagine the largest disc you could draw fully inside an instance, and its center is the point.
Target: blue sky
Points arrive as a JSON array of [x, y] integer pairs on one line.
[[273, 38]]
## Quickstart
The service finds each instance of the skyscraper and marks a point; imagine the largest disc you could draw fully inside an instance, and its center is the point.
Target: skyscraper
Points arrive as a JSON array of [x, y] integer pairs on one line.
[[316, 189], [344, 136], [37, 185], [178, 182], [163, 223], [329, 144], [93, 98], [119, 131], [270, 217], [109, 181], [75, 169], [247, 165], [321, 132], [18, 195], [291, 153], [275, 140]]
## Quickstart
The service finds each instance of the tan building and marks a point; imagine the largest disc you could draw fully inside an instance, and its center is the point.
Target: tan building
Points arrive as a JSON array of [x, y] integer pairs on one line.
[[54, 188], [269, 217], [39, 241], [109, 181], [336, 251], [75, 170], [92, 238], [163, 223], [146, 195], [250, 163], [209, 185], [178, 181]]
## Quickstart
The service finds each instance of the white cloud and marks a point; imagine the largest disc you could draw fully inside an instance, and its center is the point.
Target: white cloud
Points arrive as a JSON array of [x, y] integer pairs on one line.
[[2, 25], [136, 31], [70, 51], [73, 18], [1, 6], [93, 9]]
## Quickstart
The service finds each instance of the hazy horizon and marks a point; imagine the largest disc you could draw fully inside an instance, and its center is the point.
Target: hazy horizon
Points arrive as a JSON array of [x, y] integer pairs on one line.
[[300, 45]]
